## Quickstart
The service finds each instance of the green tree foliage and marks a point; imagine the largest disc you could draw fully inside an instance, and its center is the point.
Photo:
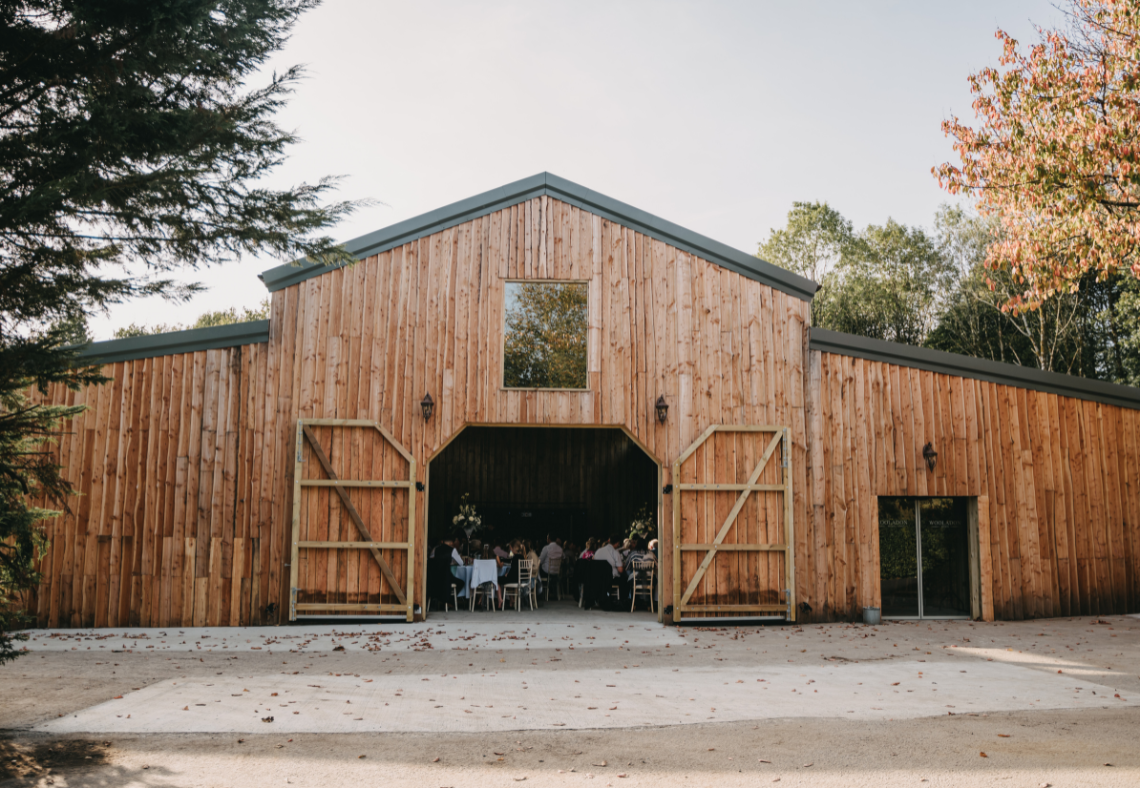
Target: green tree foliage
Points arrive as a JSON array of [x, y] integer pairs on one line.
[[813, 241], [882, 282], [129, 133], [545, 342], [222, 317], [937, 289]]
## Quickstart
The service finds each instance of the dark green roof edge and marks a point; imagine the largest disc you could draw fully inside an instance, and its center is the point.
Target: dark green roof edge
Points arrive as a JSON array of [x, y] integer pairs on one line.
[[976, 368], [153, 345], [549, 184]]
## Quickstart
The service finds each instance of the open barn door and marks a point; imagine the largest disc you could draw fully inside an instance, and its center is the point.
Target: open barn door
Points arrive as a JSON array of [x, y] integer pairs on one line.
[[732, 525], [354, 509]]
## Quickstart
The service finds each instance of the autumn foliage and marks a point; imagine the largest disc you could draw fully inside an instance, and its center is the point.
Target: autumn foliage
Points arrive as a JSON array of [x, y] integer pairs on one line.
[[1056, 155]]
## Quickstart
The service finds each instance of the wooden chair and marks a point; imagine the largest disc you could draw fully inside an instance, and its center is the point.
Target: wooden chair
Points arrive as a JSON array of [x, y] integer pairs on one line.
[[525, 585], [643, 572], [553, 578]]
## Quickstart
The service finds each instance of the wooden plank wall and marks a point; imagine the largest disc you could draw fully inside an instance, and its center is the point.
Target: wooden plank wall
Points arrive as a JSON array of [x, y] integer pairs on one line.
[[368, 342], [352, 575], [185, 462], [733, 577], [601, 471], [172, 523], [1056, 480]]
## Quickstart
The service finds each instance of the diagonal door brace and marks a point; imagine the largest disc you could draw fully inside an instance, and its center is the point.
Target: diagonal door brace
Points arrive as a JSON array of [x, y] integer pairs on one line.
[[355, 515]]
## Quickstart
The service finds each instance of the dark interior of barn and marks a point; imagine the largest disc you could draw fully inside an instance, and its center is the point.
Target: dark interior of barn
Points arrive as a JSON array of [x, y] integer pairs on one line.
[[526, 482]]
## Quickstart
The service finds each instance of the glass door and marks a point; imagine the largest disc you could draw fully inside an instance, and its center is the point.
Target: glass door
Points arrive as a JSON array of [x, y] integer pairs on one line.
[[924, 557]]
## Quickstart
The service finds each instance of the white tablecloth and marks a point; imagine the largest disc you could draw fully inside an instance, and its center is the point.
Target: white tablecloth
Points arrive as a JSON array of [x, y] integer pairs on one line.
[[478, 573]]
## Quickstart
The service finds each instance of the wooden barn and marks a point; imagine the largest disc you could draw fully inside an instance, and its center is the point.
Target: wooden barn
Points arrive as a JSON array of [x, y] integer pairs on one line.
[[569, 361]]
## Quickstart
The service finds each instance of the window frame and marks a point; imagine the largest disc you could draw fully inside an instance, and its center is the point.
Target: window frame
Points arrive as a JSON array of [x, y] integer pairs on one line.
[[503, 331]]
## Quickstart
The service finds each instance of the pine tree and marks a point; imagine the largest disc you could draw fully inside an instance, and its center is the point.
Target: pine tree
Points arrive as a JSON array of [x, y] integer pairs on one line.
[[129, 133]]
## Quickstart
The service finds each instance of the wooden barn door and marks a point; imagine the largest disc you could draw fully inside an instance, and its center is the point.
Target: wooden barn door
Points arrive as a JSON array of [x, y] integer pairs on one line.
[[732, 525], [354, 506]]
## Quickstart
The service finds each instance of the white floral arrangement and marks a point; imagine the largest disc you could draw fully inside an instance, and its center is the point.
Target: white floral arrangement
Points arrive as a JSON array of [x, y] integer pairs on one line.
[[644, 524], [467, 520]]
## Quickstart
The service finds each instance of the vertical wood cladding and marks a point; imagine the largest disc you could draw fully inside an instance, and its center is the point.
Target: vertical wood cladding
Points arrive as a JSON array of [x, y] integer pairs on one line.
[[369, 341], [172, 522], [185, 462], [1056, 480]]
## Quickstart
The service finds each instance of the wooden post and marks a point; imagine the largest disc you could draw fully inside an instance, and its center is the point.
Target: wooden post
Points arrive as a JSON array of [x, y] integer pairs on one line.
[[294, 550], [411, 596], [789, 528]]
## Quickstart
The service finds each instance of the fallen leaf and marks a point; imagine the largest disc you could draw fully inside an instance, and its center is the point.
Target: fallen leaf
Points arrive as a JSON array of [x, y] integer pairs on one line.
[[984, 755], [267, 719], [806, 765], [435, 760], [360, 756], [117, 697], [762, 760], [1004, 735], [603, 763]]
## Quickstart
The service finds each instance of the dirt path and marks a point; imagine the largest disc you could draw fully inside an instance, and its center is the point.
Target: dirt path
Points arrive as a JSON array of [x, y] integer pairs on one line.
[[519, 658]]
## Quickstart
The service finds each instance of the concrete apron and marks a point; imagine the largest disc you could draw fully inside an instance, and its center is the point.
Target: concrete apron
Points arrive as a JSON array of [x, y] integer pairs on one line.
[[537, 698]]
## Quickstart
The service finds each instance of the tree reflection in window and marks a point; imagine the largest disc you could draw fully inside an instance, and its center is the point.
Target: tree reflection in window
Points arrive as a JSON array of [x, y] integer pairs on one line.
[[545, 335]]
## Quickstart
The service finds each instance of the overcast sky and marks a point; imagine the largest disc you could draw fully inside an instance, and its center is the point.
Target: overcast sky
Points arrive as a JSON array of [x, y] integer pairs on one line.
[[713, 115]]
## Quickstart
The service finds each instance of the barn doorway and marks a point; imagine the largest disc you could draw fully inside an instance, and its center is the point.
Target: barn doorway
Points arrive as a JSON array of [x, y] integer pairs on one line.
[[525, 482]]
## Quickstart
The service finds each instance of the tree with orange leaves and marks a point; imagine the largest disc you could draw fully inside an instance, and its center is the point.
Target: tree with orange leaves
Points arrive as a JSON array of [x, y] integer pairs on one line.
[[1056, 156]]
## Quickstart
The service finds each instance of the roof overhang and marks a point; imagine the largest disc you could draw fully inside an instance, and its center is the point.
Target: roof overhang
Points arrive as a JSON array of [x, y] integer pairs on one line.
[[976, 368], [152, 345], [551, 185]]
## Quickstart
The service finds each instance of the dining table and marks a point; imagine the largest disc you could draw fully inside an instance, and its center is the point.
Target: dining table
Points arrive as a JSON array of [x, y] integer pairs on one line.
[[467, 574]]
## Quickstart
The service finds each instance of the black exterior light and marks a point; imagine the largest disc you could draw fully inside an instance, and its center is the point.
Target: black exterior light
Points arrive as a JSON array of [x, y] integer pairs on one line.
[[930, 455], [662, 409], [427, 405]]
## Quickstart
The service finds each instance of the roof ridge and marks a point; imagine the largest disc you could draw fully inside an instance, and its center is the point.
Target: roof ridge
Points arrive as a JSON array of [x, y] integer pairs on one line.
[[547, 183]]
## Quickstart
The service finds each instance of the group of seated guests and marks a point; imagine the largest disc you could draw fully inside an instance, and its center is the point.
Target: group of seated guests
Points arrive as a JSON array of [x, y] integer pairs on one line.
[[563, 557]]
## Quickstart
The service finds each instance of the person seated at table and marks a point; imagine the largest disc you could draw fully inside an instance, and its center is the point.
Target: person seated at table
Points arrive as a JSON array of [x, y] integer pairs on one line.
[[448, 544], [610, 553], [637, 553], [653, 543], [552, 550], [500, 553], [439, 577], [517, 555], [588, 552]]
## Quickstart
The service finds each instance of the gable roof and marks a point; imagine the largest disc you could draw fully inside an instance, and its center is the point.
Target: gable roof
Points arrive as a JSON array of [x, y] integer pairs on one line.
[[546, 183]]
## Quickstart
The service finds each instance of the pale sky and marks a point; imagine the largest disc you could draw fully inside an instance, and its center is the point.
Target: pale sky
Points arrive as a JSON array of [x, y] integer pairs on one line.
[[713, 115]]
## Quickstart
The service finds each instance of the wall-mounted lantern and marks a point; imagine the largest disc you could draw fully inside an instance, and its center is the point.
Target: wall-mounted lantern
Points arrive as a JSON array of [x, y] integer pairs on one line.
[[930, 455], [662, 409], [427, 405]]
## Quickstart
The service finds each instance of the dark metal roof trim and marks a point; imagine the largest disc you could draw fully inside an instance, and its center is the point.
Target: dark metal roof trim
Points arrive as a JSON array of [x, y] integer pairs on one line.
[[548, 184], [976, 368], [152, 345]]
